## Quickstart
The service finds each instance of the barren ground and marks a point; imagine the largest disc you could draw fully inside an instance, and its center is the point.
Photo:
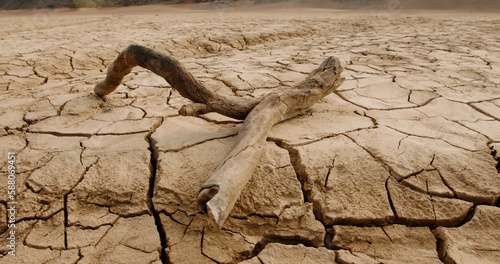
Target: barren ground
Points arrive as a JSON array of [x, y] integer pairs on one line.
[[399, 165]]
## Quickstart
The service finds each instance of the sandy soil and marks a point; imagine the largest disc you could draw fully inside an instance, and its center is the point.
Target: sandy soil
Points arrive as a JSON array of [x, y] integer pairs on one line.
[[399, 165]]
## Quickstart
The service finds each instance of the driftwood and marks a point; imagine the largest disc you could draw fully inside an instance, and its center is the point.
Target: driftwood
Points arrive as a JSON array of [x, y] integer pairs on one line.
[[172, 71], [221, 191]]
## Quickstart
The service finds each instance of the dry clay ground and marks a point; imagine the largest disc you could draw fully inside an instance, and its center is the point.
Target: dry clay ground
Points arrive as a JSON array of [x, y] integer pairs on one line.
[[397, 166]]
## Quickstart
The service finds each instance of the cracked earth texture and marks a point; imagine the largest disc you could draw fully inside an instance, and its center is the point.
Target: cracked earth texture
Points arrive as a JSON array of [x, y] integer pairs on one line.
[[399, 165]]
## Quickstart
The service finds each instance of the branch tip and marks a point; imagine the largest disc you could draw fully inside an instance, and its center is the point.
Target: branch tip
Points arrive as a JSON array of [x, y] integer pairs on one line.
[[204, 196]]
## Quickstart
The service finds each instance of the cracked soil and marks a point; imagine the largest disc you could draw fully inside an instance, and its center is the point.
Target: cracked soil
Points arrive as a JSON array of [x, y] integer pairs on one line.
[[399, 165]]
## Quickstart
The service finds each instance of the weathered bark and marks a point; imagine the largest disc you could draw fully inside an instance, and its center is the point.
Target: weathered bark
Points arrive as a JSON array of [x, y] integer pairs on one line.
[[181, 80], [221, 191]]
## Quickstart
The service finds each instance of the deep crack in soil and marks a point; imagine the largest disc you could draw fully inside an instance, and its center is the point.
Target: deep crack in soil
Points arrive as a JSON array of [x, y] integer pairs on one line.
[[161, 231]]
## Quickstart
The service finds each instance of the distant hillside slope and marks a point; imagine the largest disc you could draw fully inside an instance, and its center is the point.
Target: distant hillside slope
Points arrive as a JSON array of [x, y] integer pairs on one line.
[[378, 4], [16, 4]]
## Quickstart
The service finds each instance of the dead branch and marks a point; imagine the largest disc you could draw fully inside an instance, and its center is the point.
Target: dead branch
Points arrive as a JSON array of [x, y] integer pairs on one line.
[[221, 191], [181, 80]]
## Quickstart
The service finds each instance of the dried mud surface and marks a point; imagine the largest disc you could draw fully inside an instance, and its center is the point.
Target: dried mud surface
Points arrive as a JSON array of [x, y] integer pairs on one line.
[[399, 165]]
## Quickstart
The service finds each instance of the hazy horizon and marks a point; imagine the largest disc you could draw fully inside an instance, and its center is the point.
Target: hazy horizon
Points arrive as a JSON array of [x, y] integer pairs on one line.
[[349, 4]]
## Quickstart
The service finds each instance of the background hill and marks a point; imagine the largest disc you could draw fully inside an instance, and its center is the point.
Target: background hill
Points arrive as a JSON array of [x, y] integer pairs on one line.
[[16, 4], [491, 5]]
